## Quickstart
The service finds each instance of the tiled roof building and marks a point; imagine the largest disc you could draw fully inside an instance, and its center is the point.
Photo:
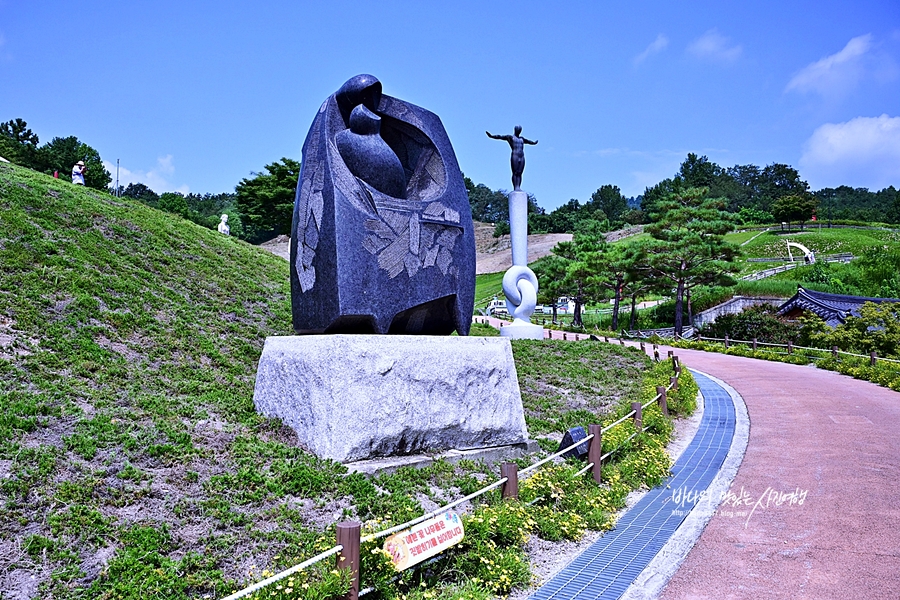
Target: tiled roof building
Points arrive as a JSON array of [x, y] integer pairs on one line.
[[831, 308]]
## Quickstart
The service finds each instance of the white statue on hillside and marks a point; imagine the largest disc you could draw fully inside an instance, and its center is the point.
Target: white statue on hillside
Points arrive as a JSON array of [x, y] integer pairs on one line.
[[223, 225]]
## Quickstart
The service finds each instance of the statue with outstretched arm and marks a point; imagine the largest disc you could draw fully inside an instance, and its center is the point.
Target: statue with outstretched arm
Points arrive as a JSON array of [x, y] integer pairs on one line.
[[517, 158]]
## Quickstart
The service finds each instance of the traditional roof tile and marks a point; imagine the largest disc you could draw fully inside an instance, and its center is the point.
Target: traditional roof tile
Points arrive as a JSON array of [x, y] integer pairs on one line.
[[834, 309]]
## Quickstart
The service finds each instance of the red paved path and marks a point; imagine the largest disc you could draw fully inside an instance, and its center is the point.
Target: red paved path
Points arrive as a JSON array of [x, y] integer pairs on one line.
[[813, 431], [830, 439]]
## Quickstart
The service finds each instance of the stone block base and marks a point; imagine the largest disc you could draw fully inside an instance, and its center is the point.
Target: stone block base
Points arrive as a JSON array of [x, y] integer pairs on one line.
[[355, 397]]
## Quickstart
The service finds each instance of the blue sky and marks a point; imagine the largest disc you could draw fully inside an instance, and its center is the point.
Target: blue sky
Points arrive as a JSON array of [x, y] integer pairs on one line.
[[193, 96]]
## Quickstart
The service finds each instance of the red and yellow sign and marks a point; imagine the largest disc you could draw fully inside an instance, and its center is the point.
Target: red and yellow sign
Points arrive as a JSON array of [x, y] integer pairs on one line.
[[424, 540]]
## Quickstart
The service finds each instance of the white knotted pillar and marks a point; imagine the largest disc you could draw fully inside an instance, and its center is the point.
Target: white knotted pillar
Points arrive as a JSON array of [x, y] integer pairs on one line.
[[520, 284]]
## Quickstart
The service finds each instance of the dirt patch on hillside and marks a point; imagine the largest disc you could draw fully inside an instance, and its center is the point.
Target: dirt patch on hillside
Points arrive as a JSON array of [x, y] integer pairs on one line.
[[280, 246], [493, 255]]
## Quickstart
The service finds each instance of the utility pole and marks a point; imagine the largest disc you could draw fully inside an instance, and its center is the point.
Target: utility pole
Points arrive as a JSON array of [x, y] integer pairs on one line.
[[117, 178]]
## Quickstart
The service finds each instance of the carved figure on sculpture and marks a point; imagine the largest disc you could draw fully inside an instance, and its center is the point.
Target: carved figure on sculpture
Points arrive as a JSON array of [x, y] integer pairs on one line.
[[382, 238], [223, 225], [517, 156]]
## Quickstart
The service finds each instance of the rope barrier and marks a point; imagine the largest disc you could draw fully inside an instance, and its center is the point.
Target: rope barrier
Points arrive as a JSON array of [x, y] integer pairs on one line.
[[434, 513], [278, 577], [649, 402], [825, 350], [585, 470], [374, 536], [556, 455], [622, 420]]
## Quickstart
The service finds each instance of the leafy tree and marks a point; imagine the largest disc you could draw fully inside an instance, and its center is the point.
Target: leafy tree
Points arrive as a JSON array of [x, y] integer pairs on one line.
[[610, 201], [760, 322], [141, 193], [741, 187], [639, 278], [794, 207], [700, 172], [876, 329], [859, 204], [61, 154], [581, 281], [488, 206], [174, 203], [611, 267], [778, 180], [18, 131], [752, 216], [689, 248], [633, 216], [266, 201], [658, 193], [551, 272], [18, 143]]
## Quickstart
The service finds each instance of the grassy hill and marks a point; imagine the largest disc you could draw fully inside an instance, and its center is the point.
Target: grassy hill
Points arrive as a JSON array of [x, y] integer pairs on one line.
[[132, 462], [128, 343]]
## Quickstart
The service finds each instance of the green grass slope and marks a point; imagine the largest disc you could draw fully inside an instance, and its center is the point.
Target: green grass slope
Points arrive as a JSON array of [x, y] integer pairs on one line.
[[127, 344]]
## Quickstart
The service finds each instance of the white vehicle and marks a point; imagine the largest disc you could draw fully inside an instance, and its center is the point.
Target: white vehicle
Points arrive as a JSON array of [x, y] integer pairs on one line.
[[564, 306], [496, 307]]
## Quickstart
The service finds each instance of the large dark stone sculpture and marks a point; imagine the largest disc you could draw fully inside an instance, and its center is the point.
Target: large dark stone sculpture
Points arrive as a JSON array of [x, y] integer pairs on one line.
[[382, 238]]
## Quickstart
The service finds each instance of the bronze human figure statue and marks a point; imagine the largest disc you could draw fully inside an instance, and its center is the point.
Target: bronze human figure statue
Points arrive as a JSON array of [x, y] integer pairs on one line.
[[517, 158]]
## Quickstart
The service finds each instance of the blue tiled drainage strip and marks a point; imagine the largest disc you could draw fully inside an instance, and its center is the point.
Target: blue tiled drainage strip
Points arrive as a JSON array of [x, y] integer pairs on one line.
[[613, 562]]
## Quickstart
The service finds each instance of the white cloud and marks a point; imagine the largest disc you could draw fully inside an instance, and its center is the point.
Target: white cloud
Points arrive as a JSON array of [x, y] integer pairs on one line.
[[658, 45], [834, 74], [157, 179], [863, 152], [715, 47]]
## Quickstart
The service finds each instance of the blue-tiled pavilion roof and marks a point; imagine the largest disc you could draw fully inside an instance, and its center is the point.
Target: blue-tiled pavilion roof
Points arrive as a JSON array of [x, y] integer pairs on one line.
[[834, 309]]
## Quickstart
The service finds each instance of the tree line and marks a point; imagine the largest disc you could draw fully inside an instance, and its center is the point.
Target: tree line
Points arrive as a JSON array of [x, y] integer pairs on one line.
[[20, 145], [261, 206], [686, 250]]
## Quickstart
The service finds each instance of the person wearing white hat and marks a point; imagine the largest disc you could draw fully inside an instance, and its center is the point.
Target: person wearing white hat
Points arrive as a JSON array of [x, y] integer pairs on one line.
[[78, 173]]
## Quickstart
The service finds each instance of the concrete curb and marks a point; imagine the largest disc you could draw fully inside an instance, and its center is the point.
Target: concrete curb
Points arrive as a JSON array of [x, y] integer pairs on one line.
[[653, 579]]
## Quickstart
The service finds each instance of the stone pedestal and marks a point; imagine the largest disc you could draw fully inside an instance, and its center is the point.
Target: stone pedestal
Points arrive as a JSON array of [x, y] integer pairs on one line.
[[354, 397], [522, 330]]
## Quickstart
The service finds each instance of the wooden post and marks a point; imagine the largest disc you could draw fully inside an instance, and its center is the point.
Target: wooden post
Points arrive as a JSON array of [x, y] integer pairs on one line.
[[510, 489], [790, 348], [663, 405], [595, 448], [754, 343], [643, 348], [674, 363], [873, 358], [621, 341], [726, 342], [671, 353], [606, 338], [674, 383], [655, 355], [348, 557], [834, 351], [638, 420]]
